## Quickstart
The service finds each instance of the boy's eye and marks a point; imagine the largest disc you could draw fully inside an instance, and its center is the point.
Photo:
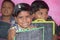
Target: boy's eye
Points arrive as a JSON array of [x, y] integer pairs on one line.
[[20, 17], [40, 13], [9, 7], [3, 7], [27, 16]]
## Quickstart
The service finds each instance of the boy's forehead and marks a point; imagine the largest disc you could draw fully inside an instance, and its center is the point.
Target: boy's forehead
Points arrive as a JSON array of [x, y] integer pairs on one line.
[[7, 3], [27, 12], [42, 10], [24, 13]]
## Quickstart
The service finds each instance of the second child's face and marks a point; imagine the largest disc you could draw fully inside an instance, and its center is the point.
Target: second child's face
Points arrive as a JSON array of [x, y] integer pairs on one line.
[[24, 19], [7, 8], [41, 14]]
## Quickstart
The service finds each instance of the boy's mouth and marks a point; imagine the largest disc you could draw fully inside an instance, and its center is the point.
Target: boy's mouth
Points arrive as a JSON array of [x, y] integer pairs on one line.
[[25, 24]]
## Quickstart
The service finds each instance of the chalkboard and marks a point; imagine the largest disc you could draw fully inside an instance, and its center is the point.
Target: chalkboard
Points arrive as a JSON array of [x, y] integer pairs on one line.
[[33, 34]]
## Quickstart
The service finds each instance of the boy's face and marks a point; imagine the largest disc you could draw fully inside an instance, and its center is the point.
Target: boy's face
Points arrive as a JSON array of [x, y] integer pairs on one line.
[[41, 14], [7, 8], [24, 19]]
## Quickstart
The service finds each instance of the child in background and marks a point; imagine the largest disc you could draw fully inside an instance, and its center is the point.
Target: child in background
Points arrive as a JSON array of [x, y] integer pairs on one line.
[[40, 11], [6, 20], [7, 11]]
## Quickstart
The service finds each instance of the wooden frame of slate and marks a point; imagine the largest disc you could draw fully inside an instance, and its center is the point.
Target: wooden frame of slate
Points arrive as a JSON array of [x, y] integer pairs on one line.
[[33, 34], [49, 28]]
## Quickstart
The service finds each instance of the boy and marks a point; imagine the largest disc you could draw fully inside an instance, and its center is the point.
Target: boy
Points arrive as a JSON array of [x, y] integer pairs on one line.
[[23, 19], [6, 20], [40, 10]]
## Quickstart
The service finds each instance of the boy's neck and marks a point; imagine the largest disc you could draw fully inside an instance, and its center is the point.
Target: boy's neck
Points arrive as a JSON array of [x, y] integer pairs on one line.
[[29, 27], [6, 19]]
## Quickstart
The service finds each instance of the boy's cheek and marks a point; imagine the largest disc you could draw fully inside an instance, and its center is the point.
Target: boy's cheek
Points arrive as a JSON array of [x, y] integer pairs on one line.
[[30, 20], [38, 16]]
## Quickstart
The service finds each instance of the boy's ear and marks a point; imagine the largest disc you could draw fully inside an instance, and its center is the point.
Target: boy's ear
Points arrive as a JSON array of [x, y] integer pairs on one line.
[[33, 15], [47, 15]]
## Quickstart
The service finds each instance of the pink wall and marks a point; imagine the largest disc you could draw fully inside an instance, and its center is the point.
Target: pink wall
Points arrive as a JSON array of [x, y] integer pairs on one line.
[[54, 11], [54, 6], [23, 1]]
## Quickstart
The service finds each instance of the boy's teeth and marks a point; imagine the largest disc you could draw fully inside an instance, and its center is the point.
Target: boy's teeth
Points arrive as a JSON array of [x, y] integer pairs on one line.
[[25, 24]]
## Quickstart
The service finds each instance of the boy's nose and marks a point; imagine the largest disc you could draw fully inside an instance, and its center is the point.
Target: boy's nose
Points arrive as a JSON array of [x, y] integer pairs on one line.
[[5, 9], [24, 20]]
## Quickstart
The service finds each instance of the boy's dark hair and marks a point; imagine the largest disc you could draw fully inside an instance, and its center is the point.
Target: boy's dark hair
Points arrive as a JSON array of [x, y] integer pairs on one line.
[[36, 5], [21, 7], [8, 1]]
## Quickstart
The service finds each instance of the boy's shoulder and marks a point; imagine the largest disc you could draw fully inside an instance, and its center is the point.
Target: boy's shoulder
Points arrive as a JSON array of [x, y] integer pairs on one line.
[[4, 27], [49, 18]]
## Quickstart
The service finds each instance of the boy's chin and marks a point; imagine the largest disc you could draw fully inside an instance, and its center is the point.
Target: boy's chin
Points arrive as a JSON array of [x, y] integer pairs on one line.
[[25, 26]]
